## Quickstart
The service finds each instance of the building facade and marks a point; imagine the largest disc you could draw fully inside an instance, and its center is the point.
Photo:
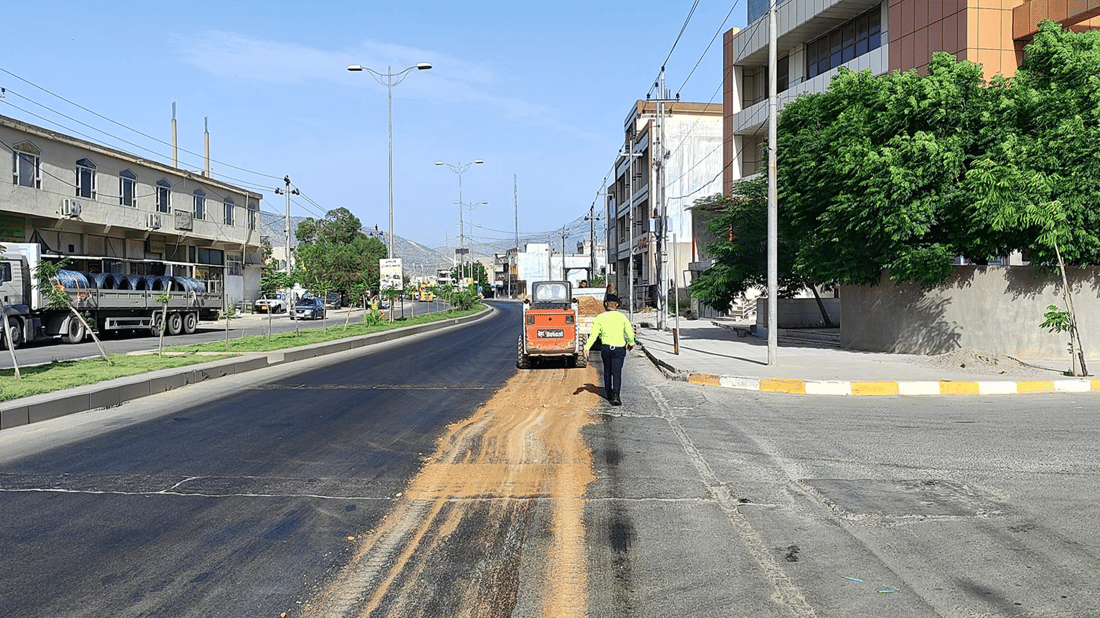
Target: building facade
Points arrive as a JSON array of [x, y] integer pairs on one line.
[[108, 211], [816, 38], [671, 156]]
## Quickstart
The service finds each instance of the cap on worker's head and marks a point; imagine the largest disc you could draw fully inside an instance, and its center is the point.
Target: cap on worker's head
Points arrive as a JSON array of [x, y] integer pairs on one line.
[[611, 298]]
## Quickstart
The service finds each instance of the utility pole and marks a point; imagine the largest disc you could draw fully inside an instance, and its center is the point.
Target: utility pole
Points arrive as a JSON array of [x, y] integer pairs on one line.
[[660, 154], [630, 156], [592, 219], [564, 235], [773, 201], [286, 224], [515, 206]]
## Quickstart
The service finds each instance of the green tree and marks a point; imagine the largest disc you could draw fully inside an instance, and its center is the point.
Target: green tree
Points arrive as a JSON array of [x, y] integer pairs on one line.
[[1038, 185], [870, 174], [334, 255], [739, 222]]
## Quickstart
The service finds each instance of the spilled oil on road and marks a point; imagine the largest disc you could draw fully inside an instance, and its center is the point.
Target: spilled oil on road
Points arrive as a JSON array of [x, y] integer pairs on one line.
[[493, 519]]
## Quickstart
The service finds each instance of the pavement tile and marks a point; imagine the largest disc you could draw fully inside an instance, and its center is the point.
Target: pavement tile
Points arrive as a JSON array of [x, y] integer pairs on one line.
[[704, 352]]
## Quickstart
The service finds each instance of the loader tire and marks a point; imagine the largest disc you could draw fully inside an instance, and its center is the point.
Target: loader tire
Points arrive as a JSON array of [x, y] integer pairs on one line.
[[580, 361], [523, 361]]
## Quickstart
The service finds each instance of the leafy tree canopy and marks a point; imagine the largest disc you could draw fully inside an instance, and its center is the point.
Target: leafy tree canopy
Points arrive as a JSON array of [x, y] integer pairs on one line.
[[740, 225], [333, 255]]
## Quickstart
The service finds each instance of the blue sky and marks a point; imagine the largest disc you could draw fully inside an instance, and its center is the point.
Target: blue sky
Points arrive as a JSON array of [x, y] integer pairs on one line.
[[539, 91]]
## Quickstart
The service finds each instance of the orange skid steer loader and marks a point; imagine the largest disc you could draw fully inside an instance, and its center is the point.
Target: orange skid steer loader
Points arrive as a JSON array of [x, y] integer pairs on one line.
[[550, 326]]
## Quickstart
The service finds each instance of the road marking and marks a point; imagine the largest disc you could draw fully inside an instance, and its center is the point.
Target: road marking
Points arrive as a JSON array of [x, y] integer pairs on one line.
[[784, 591]]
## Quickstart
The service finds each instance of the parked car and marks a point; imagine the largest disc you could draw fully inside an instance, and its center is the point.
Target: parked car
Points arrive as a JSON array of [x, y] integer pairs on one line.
[[309, 308], [333, 300], [275, 304]]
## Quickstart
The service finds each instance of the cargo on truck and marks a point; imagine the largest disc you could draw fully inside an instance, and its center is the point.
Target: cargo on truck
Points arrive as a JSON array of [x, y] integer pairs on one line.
[[114, 302]]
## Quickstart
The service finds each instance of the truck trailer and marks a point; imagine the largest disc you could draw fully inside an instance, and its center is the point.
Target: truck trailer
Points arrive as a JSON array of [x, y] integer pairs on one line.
[[115, 302]]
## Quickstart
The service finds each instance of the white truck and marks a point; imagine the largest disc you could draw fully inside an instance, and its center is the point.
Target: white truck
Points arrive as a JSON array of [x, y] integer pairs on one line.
[[115, 302]]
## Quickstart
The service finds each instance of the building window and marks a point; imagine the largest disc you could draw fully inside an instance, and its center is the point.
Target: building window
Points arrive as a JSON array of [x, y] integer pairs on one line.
[[234, 267], [851, 40], [253, 209], [26, 168], [127, 188], [228, 220], [200, 204], [164, 196], [85, 179]]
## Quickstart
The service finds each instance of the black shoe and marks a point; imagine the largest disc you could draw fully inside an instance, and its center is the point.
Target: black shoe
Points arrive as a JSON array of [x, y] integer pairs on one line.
[[615, 401]]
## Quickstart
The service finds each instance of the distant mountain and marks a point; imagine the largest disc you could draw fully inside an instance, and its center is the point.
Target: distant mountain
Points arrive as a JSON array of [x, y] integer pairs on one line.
[[414, 256]]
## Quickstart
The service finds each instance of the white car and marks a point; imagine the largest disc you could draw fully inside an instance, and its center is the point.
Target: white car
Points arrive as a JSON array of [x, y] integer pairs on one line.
[[270, 305]]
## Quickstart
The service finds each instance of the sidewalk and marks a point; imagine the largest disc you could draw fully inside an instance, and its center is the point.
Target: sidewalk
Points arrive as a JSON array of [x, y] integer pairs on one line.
[[719, 356]]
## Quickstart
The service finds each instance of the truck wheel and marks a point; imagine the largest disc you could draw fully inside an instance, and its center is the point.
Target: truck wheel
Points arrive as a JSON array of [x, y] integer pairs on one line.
[[190, 322], [155, 324], [73, 331], [15, 335], [175, 324], [523, 361]]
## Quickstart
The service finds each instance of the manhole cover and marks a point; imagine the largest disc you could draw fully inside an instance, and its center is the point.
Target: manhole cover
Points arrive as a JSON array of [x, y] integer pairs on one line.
[[902, 498]]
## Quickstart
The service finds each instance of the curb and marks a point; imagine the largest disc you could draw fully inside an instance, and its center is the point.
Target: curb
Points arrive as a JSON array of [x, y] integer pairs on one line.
[[861, 388], [111, 393], [865, 388]]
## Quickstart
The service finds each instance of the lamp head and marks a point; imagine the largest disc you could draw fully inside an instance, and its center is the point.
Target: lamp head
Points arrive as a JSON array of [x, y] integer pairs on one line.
[[355, 67], [423, 66]]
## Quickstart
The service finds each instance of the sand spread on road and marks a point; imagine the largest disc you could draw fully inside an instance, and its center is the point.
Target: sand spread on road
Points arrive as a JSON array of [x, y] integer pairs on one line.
[[474, 495]]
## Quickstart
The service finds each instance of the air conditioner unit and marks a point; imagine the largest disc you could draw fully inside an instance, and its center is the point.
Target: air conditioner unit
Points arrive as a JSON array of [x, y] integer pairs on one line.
[[70, 208], [153, 221]]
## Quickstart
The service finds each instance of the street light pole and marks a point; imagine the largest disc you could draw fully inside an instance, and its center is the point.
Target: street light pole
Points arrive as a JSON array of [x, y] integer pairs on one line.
[[470, 206], [389, 79], [459, 168]]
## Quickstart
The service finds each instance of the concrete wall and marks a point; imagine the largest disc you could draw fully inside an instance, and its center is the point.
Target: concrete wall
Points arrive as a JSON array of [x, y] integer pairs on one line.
[[797, 313], [988, 308]]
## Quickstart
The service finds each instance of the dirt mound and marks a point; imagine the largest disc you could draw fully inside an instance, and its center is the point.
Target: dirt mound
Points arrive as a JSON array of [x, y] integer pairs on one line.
[[589, 306], [979, 361]]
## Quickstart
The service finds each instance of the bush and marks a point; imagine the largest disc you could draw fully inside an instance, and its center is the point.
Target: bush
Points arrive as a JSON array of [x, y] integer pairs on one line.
[[464, 300]]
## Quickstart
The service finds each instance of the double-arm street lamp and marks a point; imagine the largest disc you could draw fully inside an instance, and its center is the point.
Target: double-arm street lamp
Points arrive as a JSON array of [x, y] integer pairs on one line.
[[469, 206], [459, 168], [389, 79]]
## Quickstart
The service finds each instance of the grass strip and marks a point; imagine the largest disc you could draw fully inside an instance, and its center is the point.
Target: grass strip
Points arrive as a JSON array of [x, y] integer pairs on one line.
[[60, 375], [282, 341]]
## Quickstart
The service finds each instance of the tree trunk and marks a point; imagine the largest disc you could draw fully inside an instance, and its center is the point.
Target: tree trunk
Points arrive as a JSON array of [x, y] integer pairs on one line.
[[6, 336], [820, 304], [91, 332], [163, 327], [1077, 351]]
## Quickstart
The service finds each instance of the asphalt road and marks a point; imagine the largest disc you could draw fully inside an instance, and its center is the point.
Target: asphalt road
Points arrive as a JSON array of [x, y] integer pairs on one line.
[[719, 502], [46, 351], [430, 478], [236, 498]]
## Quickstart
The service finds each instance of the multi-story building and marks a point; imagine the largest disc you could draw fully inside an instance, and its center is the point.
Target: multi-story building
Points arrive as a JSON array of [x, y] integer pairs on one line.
[[816, 38], [671, 156], [108, 211]]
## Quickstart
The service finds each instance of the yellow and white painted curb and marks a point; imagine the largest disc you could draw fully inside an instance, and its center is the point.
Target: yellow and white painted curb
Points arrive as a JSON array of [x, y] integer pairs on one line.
[[856, 387]]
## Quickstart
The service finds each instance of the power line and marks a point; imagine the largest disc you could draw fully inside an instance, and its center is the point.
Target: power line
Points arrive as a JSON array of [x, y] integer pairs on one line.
[[115, 122]]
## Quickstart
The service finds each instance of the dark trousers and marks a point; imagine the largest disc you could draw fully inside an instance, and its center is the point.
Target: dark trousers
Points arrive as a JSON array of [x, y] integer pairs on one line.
[[613, 359]]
